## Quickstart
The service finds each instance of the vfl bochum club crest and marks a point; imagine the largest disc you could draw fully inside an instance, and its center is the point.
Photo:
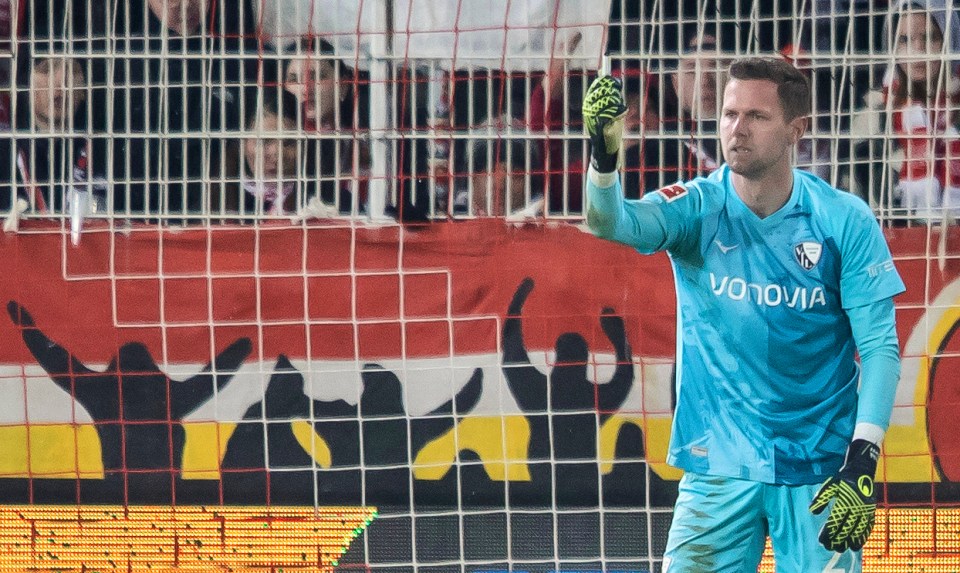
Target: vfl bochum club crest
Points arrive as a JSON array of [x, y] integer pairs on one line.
[[808, 254]]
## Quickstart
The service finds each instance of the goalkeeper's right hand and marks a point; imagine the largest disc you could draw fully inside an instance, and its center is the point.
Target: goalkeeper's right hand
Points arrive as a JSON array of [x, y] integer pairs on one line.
[[603, 113]]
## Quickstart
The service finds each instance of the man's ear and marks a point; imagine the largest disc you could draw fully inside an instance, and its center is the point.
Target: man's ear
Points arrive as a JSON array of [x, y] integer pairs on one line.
[[798, 126]]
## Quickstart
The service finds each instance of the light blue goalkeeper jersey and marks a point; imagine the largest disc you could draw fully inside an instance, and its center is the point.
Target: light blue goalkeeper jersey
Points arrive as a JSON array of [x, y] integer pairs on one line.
[[766, 376]]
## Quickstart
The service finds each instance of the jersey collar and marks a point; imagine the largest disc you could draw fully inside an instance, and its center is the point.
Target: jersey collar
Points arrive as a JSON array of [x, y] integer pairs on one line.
[[795, 203]]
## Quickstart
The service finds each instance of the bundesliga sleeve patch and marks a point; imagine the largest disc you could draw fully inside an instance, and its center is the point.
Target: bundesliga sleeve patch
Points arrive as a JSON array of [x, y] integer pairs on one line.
[[673, 192]]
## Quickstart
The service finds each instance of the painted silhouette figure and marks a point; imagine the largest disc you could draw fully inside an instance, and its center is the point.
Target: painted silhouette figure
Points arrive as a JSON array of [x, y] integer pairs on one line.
[[390, 441], [136, 407], [566, 407], [266, 439]]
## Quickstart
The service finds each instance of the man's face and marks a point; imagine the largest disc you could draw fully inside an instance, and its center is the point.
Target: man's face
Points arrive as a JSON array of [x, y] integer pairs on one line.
[[696, 80], [269, 155], [55, 96], [181, 16], [754, 134], [919, 42], [314, 83]]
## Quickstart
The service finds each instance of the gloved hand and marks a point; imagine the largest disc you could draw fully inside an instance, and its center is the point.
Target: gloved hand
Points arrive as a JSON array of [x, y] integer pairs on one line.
[[603, 113], [854, 504]]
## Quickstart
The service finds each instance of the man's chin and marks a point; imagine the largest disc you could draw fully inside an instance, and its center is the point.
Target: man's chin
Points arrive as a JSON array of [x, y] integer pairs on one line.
[[743, 169]]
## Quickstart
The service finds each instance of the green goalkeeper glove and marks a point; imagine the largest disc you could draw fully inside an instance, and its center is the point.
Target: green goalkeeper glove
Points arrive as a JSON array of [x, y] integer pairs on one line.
[[854, 504], [603, 113]]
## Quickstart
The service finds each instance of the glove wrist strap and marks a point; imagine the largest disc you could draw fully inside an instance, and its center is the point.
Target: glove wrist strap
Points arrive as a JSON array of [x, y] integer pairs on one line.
[[606, 164], [862, 458]]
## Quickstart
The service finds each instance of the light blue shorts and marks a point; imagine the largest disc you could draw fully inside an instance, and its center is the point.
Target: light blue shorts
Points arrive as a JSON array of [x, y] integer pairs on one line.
[[720, 525]]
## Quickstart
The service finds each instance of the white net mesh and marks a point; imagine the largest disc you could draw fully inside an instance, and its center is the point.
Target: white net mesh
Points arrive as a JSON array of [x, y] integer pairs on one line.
[[258, 278]]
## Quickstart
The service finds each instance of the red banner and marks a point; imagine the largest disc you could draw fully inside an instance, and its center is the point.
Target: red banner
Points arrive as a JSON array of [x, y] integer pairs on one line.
[[428, 306]]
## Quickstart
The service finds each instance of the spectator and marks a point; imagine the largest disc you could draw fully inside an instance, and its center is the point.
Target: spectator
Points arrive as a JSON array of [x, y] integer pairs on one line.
[[500, 178], [56, 93], [168, 105], [322, 84], [270, 174], [329, 102], [51, 28], [922, 89], [828, 28], [553, 110], [685, 98], [458, 103], [152, 107], [50, 155], [645, 157], [275, 176], [814, 150], [564, 159], [843, 26], [694, 82], [447, 109]]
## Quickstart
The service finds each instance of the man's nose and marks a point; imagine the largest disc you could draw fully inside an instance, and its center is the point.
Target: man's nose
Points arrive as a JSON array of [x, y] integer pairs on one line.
[[738, 126]]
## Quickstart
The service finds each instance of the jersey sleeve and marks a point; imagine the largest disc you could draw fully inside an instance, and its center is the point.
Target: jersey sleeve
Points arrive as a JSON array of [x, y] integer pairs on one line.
[[874, 328], [659, 221], [867, 272]]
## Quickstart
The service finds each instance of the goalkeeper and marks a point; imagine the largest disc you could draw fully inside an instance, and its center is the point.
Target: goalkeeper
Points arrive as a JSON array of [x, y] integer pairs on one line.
[[780, 280]]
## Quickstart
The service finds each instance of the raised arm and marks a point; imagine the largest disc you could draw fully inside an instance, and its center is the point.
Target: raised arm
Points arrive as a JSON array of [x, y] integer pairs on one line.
[[640, 224]]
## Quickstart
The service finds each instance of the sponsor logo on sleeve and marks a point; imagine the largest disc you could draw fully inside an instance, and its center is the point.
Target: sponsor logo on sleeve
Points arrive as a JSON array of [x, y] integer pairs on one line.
[[673, 192], [884, 267]]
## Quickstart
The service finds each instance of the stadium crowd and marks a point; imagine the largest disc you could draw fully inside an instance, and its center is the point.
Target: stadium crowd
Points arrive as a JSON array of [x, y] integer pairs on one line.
[[181, 110]]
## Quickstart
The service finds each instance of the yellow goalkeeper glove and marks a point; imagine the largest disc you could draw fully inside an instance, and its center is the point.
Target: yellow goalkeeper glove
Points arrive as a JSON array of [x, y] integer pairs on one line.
[[854, 503], [603, 113]]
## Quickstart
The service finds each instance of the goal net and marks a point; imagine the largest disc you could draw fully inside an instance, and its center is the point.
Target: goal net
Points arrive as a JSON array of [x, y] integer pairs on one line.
[[304, 285]]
